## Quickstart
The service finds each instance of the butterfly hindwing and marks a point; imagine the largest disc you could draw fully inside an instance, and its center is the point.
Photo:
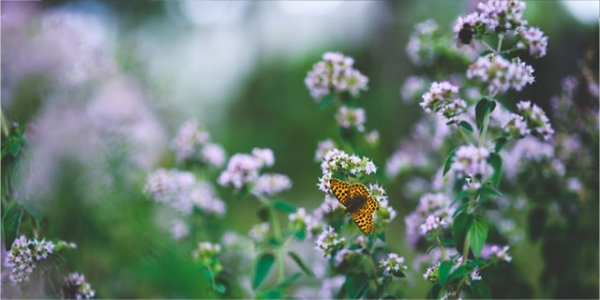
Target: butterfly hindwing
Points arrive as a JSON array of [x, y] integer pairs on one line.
[[358, 202]]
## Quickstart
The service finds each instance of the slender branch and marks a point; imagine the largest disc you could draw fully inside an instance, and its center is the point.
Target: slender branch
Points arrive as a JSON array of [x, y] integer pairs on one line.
[[3, 121]]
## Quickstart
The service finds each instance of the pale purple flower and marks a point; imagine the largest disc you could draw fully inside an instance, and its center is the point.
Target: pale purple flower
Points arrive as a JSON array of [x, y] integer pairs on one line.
[[431, 274], [213, 154], [188, 140], [342, 256], [347, 118], [574, 184], [442, 98], [421, 43], [323, 148], [243, 169], [432, 223], [264, 155], [333, 75], [534, 40], [502, 15], [271, 184], [472, 161], [372, 138], [206, 250], [536, 118], [336, 160], [496, 252], [393, 263], [413, 87], [524, 150], [436, 205], [76, 287], [179, 229], [259, 232], [329, 242], [501, 74], [24, 253]]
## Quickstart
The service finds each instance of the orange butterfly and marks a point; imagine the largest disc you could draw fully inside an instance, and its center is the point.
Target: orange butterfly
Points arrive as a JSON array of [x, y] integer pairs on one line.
[[358, 202]]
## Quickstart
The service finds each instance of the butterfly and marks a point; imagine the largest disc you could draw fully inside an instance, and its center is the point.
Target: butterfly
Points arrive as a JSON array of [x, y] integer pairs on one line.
[[358, 202]]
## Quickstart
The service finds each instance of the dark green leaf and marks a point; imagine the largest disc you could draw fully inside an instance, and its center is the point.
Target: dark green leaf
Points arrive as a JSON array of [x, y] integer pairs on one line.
[[264, 214], [460, 227], [284, 206], [500, 143], [480, 290], [486, 53], [478, 233], [355, 286], [11, 221], [275, 242], [466, 126], [537, 222], [288, 281], [496, 161], [487, 190], [263, 266], [326, 102], [483, 108], [460, 209], [296, 258], [270, 294], [444, 271], [476, 263], [381, 236], [220, 288], [300, 234], [449, 161], [434, 291], [459, 272], [463, 194]]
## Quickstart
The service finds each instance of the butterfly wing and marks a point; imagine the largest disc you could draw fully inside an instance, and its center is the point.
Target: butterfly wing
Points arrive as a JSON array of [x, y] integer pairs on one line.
[[340, 189], [363, 217]]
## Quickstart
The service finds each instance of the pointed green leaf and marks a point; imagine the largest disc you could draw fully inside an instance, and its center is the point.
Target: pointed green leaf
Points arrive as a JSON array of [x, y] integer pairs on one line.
[[264, 214], [288, 281], [11, 221], [466, 126], [478, 233], [480, 290], [296, 258], [284, 206], [500, 143], [496, 161], [263, 266], [449, 161], [463, 194], [460, 227], [483, 108], [355, 286], [444, 271]]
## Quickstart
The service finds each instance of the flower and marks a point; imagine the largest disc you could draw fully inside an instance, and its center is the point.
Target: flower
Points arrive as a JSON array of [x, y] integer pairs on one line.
[[179, 229], [192, 143], [432, 223], [329, 242], [207, 254], [501, 74], [421, 43], [524, 150], [442, 99], [336, 160], [536, 118], [436, 205], [301, 221], [534, 40], [258, 232], [271, 184], [333, 75], [432, 273], [502, 15], [413, 87], [348, 118], [471, 161], [323, 148], [342, 256], [496, 252], [243, 169], [392, 265], [24, 253], [75, 287]]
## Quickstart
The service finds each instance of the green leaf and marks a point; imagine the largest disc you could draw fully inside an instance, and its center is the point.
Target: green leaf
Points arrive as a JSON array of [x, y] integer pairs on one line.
[[270, 294], [459, 272], [326, 102], [263, 266], [449, 161], [480, 290], [462, 195], [487, 190], [355, 285], [284, 206], [500, 143], [466, 126], [460, 227], [496, 161], [288, 281], [483, 108], [444, 271], [537, 222], [263, 214], [460, 209], [296, 258], [476, 262], [485, 53], [478, 233], [381, 236], [220, 288], [11, 221]]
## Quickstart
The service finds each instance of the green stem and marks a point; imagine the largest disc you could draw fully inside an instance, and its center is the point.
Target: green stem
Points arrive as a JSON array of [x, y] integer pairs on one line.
[[277, 234], [484, 129], [500, 39], [3, 121], [437, 238]]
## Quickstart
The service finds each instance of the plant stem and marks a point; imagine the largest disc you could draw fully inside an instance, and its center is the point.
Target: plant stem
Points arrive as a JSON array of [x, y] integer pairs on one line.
[[500, 39], [277, 234], [437, 238], [3, 121], [484, 129]]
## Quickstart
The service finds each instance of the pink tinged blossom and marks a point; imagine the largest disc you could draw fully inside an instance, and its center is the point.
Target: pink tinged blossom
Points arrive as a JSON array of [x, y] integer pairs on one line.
[[329, 242], [536, 118], [271, 184], [496, 252], [471, 161], [442, 98], [323, 148], [351, 118], [179, 229], [333, 75], [421, 43], [413, 87], [502, 15], [432, 223], [534, 40], [501, 74], [392, 264]]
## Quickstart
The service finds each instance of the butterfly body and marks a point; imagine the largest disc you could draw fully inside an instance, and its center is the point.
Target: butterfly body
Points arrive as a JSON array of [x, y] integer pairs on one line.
[[358, 202]]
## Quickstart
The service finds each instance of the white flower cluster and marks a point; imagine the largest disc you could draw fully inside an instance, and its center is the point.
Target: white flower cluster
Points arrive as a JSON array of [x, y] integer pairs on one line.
[[536, 118], [344, 255], [179, 229], [471, 161], [348, 118], [496, 252], [24, 253], [271, 184], [193, 143], [181, 190], [339, 161], [412, 87], [533, 38], [436, 205], [258, 232], [75, 287], [333, 75], [525, 150], [431, 274], [421, 43], [432, 223], [392, 264], [513, 124], [328, 242], [442, 98], [323, 148], [243, 169], [501, 74], [386, 213]]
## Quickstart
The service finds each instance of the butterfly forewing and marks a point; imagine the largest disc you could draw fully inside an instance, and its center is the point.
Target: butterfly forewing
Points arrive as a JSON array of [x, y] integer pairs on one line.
[[358, 202], [340, 190]]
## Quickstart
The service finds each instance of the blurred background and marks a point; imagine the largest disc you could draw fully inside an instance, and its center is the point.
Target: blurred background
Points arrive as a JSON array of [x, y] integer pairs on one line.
[[102, 87]]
